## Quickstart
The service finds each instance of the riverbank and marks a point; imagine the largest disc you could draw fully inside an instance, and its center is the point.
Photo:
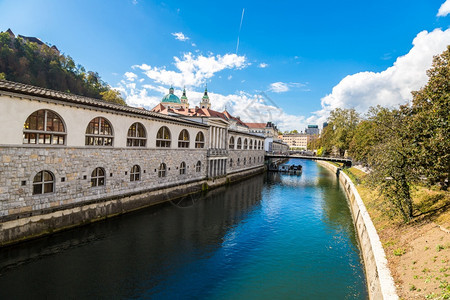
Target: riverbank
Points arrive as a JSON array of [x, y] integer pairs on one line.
[[418, 253]]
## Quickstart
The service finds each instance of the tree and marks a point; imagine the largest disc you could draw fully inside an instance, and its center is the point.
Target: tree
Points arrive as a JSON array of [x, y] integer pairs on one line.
[[339, 132], [431, 122], [113, 96], [366, 135], [26, 62], [393, 166]]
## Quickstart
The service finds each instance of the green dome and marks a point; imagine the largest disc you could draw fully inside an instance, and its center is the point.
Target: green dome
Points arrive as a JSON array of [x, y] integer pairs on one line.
[[170, 97]]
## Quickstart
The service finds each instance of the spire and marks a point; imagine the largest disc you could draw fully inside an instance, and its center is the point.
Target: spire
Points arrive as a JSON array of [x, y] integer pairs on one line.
[[205, 99], [205, 95], [184, 99], [171, 89]]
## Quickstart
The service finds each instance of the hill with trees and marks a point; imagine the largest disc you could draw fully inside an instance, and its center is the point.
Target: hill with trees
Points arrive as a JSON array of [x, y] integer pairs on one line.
[[28, 60]]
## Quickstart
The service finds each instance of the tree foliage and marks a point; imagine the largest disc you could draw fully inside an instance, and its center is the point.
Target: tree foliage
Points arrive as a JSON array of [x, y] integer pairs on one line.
[[431, 120], [40, 65], [402, 147], [389, 153]]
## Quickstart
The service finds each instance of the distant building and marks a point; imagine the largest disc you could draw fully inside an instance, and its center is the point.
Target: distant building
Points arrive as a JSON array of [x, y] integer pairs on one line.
[[297, 141], [31, 39], [312, 130], [270, 132]]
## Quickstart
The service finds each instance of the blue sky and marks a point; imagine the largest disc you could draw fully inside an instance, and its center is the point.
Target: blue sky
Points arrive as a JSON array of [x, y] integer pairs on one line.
[[295, 62]]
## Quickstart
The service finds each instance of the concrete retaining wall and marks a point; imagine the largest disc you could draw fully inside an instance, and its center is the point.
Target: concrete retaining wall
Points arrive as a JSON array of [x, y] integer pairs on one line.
[[380, 283], [63, 217]]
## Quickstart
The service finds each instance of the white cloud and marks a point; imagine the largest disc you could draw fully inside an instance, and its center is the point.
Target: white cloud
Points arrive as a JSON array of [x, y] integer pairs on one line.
[[134, 2], [391, 87], [180, 36], [263, 65], [194, 45], [193, 70], [229, 77], [130, 76], [444, 10], [279, 87]]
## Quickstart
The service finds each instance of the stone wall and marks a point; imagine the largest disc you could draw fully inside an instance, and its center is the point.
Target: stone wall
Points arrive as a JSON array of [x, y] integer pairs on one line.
[[252, 158], [72, 169], [380, 283], [38, 223]]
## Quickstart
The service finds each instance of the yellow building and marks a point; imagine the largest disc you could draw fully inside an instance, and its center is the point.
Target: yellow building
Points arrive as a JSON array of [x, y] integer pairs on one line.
[[296, 140]]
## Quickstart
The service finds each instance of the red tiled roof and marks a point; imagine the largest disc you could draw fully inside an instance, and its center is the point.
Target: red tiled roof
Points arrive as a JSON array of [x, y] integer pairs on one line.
[[256, 125]]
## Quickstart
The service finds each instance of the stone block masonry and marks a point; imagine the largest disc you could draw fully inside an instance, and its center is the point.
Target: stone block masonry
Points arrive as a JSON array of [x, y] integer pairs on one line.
[[75, 202], [72, 169]]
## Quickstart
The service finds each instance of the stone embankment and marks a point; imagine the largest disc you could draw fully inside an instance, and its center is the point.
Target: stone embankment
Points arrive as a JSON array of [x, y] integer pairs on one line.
[[63, 217], [379, 280]]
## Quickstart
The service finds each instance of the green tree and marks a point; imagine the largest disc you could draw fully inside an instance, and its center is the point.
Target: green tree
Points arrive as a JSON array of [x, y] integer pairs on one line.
[[431, 122], [393, 166], [338, 134], [112, 96], [28, 63]]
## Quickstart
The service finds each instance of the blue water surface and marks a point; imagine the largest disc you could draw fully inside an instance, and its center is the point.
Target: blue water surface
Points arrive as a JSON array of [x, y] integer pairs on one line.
[[273, 236]]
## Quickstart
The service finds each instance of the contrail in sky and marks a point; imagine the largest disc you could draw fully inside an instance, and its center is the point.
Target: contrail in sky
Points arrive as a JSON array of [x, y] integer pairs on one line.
[[240, 26]]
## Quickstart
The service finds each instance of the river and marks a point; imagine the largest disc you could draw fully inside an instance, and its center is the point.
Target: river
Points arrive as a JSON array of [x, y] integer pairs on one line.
[[272, 236]]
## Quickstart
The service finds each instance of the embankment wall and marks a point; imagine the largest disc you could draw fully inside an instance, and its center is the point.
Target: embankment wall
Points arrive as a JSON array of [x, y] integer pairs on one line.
[[380, 283]]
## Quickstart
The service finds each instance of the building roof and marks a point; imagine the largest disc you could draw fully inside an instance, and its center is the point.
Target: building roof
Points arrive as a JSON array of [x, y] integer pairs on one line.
[[7, 87], [236, 119], [256, 125], [31, 39]]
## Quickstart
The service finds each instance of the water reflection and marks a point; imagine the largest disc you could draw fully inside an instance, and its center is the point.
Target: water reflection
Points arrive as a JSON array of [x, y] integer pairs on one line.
[[267, 237]]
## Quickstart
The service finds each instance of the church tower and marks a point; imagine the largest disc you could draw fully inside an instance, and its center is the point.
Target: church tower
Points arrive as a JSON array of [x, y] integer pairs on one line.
[[184, 99], [205, 100]]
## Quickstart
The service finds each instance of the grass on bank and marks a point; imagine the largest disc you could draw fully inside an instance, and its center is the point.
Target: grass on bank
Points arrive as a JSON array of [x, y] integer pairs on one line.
[[418, 252]]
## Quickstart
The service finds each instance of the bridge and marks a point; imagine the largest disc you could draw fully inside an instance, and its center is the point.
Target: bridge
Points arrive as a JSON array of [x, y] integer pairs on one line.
[[347, 162]]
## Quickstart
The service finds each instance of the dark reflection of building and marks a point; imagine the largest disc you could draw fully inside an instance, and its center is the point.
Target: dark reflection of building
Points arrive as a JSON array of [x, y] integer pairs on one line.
[[146, 245]]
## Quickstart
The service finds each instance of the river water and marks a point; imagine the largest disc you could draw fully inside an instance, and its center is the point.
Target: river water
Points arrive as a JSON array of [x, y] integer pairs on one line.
[[272, 236]]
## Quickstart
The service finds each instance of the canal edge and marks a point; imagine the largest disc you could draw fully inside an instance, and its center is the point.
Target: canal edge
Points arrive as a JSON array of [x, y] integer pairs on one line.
[[380, 283]]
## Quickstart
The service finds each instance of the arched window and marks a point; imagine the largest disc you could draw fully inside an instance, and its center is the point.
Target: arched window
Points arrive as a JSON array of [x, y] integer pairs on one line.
[[231, 144], [135, 174], [239, 162], [259, 145], [99, 133], [163, 137], [231, 162], [136, 136], [239, 143], [245, 160], [183, 139], [200, 140], [98, 177], [182, 168], [198, 166], [250, 147], [43, 183], [162, 170], [44, 127], [245, 144]]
